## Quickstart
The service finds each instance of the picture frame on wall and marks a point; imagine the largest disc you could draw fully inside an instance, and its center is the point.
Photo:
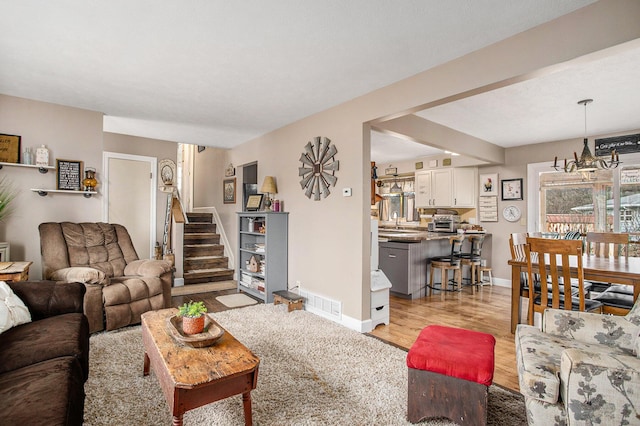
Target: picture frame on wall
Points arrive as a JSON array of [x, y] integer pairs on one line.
[[229, 191], [489, 185], [69, 175], [10, 148], [512, 189]]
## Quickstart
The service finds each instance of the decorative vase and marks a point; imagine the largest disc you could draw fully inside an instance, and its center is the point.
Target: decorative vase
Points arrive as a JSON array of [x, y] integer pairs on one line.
[[89, 181], [191, 325]]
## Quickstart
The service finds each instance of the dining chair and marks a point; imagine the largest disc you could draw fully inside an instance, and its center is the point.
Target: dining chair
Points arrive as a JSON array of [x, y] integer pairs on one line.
[[554, 257], [517, 242], [607, 244], [617, 299], [446, 264]]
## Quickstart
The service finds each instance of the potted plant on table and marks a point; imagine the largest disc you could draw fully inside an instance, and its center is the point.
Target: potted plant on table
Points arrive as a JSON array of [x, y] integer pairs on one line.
[[192, 314]]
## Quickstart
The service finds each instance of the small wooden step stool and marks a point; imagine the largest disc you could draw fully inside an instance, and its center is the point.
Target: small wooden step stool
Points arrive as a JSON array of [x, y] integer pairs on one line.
[[292, 300]]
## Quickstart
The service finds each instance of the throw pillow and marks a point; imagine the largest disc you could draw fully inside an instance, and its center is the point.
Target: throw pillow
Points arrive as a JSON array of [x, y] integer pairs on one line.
[[12, 310], [79, 274]]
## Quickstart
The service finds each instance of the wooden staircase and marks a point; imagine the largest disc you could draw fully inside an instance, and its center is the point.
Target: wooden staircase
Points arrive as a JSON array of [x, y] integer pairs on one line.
[[204, 259]]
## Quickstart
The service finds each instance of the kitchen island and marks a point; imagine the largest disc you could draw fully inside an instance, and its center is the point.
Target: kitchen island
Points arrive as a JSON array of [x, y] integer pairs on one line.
[[404, 257]]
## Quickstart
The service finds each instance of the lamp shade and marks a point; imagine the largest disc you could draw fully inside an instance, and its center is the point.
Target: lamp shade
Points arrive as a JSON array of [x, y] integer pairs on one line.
[[269, 185]]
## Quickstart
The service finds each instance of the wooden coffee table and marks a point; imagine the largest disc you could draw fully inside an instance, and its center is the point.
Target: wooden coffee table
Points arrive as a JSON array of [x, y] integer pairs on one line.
[[192, 377]]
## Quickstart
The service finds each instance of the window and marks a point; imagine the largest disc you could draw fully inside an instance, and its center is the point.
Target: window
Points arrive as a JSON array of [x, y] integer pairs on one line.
[[576, 202], [601, 201]]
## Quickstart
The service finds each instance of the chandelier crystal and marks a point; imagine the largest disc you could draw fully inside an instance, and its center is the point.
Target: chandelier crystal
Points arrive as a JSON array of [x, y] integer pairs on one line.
[[587, 161]]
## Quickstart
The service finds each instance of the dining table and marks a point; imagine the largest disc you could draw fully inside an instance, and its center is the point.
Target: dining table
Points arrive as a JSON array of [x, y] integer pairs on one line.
[[620, 270]]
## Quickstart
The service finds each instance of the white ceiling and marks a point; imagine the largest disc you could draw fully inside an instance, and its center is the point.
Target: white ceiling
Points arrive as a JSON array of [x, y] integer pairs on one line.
[[538, 110], [217, 73]]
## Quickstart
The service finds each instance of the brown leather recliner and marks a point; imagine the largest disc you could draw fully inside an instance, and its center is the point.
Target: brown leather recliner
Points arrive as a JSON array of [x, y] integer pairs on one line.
[[120, 287]]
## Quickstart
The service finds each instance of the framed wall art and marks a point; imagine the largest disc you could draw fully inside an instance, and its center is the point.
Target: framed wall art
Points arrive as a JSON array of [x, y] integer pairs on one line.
[[512, 189], [229, 191], [489, 185], [9, 148], [69, 175]]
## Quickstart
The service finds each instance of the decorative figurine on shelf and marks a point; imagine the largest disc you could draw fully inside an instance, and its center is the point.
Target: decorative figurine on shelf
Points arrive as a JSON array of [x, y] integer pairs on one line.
[[90, 181]]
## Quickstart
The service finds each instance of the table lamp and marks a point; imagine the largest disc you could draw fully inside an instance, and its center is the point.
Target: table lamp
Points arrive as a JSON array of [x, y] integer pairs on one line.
[[269, 187]]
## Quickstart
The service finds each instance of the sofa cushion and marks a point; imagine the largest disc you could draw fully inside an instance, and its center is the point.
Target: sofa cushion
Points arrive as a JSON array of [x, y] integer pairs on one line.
[[12, 309], [48, 338], [46, 393]]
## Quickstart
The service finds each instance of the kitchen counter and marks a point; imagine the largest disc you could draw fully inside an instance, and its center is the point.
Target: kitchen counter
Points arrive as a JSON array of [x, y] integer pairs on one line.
[[404, 257], [411, 235]]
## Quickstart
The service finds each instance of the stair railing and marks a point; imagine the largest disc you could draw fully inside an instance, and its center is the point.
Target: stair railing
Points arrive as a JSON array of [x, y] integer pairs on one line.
[[178, 219]]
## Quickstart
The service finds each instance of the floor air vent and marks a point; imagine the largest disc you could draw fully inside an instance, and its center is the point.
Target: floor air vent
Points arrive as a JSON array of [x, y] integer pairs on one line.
[[321, 305]]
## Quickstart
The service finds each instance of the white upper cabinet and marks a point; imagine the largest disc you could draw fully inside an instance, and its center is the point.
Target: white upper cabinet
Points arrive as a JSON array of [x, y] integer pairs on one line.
[[451, 187], [434, 188], [464, 187]]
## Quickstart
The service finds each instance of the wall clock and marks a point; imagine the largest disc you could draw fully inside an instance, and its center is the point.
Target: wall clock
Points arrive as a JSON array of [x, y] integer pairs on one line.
[[318, 168], [511, 213]]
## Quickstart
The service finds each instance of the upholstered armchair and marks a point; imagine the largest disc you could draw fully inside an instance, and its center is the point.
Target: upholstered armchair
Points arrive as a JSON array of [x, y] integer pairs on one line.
[[581, 368], [120, 287]]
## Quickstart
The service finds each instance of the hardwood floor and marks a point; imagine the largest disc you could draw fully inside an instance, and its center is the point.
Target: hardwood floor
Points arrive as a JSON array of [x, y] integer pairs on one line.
[[487, 311]]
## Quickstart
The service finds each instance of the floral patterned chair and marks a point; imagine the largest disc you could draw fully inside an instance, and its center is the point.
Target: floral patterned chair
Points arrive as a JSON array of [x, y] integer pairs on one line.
[[581, 368]]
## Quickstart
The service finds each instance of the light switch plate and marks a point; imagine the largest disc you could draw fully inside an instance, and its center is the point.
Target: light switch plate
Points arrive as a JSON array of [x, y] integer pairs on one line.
[[346, 192]]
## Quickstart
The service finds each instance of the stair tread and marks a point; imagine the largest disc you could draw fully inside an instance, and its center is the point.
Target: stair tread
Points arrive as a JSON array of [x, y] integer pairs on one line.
[[201, 245], [203, 257]]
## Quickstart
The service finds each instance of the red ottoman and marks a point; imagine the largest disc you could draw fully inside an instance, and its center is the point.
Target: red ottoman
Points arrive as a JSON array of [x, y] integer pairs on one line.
[[450, 370]]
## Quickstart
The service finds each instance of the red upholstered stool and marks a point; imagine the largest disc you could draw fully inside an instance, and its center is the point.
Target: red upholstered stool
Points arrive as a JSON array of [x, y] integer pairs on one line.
[[450, 370]]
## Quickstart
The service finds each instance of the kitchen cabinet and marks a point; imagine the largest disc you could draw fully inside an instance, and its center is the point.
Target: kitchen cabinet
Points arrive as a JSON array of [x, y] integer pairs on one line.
[[451, 187], [464, 187], [405, 266], [433, 188]]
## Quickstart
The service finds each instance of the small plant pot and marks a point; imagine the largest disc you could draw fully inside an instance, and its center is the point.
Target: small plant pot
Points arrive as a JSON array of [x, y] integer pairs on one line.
[[193, 325]]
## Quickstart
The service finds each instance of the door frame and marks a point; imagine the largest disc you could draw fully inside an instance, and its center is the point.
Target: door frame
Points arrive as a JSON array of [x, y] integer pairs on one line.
[[153, 182]]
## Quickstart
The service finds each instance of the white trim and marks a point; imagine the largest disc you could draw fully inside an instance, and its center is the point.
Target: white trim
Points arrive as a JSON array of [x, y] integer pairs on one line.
[[153, 182]]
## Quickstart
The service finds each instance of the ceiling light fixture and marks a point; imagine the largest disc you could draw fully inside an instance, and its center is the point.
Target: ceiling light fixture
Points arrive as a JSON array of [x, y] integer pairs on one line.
[[587, 162]]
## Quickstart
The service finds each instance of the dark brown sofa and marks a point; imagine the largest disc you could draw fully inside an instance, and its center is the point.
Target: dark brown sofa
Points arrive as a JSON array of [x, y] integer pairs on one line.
[[45, 363], [120, 286]]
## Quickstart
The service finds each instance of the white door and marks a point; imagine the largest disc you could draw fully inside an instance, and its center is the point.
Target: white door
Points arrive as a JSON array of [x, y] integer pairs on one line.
[[130, 197]]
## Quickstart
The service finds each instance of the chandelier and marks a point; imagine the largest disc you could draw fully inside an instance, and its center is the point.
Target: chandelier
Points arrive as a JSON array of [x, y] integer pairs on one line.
[[587, 162]]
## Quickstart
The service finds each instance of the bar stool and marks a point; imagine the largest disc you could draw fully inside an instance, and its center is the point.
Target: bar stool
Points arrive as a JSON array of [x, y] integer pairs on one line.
[[481, 270], [473, 260], [446, 264]]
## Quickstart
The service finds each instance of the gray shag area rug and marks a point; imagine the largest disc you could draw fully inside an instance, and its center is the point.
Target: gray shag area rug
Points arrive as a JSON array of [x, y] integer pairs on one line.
[[312, 372]]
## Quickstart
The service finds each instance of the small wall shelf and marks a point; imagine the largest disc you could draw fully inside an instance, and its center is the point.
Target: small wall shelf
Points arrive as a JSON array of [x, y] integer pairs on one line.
[[41, 169], [45, 192]]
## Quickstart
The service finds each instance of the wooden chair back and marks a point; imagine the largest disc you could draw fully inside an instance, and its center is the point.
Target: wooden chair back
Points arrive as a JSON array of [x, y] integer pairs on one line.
[[517, 241], [607, 244], [554, 257]]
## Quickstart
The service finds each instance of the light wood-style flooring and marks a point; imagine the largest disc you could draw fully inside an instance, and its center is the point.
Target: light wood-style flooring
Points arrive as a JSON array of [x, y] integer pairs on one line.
[[487, 311]]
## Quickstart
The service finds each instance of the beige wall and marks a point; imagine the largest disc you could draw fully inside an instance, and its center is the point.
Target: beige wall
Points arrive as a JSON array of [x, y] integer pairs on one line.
[[69, 133]]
